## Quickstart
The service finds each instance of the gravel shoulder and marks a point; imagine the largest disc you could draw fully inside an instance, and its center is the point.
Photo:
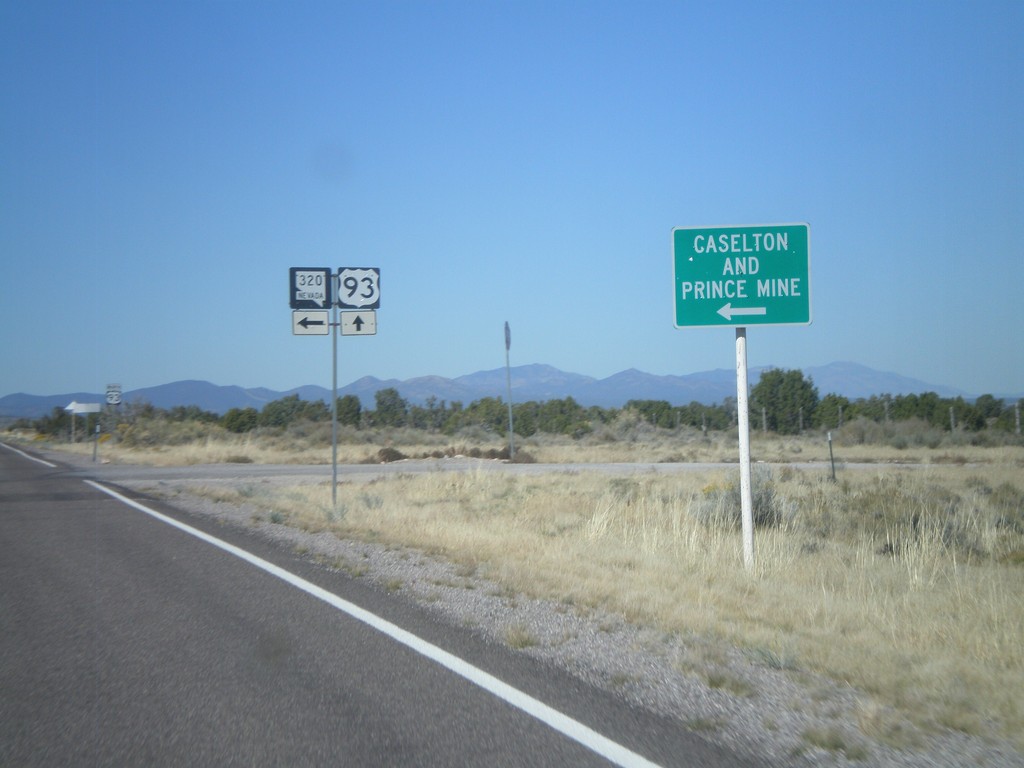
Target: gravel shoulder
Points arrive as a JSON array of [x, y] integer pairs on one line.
[[757, 706]]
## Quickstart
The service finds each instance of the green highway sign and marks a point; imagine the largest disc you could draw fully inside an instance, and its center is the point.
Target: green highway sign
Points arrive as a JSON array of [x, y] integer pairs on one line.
[[739, 276]]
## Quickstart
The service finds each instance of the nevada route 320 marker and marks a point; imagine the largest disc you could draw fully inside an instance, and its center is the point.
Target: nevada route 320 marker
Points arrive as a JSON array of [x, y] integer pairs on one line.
[[740, 276]]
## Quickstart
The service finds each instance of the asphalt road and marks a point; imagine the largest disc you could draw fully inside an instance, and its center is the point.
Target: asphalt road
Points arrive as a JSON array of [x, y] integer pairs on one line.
[[125, 640]]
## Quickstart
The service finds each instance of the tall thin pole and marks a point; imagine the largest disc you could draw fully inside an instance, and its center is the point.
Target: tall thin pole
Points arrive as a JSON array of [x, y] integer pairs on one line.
[[334, 413], [508, 382], [743, 417]]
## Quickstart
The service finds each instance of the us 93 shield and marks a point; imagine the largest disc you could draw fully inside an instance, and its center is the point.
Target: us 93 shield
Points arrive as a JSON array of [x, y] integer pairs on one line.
[[359, 288]]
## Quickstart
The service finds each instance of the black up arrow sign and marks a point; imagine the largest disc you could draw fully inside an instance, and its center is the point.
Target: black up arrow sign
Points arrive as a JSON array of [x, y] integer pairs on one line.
[[360, 323]]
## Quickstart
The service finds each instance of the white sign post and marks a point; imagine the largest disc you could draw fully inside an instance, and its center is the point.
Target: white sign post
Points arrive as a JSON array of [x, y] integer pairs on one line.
[[743, 425]]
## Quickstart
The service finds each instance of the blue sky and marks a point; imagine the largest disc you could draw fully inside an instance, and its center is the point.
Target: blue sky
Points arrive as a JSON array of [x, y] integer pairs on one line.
[[163, 165]]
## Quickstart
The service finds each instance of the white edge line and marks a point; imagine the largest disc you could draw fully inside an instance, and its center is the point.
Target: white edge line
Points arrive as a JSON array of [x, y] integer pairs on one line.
[[27, 456], [560, 722]]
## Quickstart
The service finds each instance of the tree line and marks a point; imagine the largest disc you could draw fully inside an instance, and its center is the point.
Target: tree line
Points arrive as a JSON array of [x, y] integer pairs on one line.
[[786, 402], [783, 401]]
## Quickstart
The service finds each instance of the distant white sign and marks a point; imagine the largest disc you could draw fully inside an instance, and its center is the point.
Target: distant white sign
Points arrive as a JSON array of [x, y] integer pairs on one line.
[[76, 407]]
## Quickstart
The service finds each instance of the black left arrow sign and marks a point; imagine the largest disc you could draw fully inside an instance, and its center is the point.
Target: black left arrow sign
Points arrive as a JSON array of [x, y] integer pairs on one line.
[[306, 322]]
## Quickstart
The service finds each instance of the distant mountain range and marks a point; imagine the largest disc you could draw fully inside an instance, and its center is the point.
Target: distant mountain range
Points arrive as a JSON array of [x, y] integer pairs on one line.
[[529, 382]]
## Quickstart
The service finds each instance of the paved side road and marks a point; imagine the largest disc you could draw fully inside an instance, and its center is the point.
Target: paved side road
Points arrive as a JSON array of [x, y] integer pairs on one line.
[[126, 640]]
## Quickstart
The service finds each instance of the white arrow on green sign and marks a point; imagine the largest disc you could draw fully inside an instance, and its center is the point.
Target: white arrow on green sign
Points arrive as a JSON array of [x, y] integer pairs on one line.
[[739, 276]]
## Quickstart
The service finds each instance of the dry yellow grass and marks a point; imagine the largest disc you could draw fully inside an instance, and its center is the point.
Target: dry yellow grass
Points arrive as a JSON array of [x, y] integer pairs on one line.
[[924, 616], [627, 446], [248, 449]]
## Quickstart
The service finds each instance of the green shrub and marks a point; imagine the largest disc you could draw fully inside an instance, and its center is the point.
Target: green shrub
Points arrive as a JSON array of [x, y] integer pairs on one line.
[[160, 432], [723, 506]]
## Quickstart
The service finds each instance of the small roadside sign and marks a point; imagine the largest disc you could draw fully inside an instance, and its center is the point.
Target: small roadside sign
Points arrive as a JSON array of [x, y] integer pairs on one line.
[[310, 288], [363, 323], [311, 322], [76, 407]]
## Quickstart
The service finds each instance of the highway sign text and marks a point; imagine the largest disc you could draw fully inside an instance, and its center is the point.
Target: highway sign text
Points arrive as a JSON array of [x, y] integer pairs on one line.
[[738, 276], [310, 288], [359, 288]]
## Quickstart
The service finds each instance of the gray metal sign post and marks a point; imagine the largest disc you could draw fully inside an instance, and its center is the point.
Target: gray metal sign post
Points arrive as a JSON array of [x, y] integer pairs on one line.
[[508, 382], [334, 411], [313, 292]]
